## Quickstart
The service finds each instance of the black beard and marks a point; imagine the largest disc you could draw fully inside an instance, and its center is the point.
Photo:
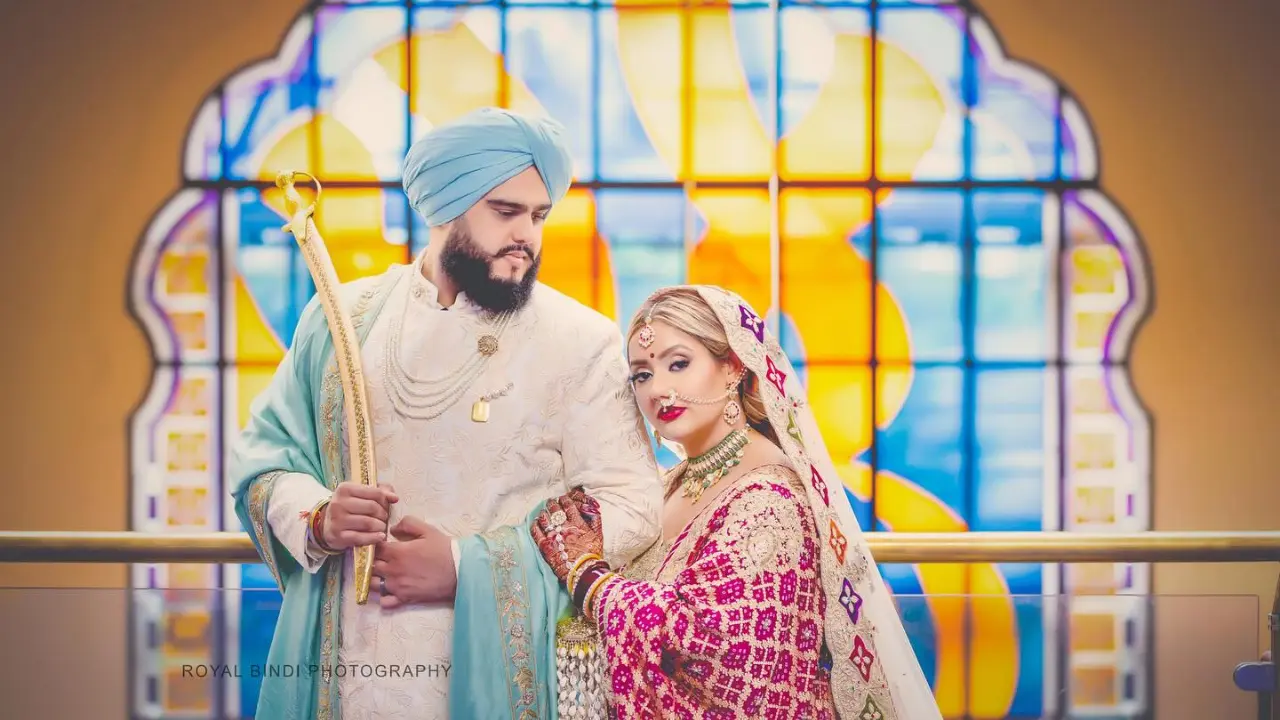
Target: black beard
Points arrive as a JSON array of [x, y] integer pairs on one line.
[[472, 273]]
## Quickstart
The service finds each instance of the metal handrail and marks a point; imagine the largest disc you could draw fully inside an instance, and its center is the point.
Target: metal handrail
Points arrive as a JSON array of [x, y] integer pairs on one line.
[[993, 547], [898, 547]]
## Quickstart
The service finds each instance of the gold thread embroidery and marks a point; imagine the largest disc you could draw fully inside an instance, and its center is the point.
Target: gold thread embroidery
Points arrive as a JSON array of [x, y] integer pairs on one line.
[[259, 500], [512, 615]]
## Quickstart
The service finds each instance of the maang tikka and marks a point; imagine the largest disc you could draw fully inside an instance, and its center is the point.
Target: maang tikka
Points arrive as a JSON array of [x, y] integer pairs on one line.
[[645, 335]]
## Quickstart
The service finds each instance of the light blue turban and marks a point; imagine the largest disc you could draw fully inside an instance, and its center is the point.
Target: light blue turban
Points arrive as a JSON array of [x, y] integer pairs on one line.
[[450, 168]]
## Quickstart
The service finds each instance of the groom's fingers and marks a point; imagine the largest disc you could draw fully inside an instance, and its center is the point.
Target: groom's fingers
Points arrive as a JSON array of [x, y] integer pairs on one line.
[[410, 528]]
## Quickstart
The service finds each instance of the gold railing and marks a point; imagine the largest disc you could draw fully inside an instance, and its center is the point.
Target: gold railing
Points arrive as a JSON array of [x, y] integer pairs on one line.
[[996, 547]]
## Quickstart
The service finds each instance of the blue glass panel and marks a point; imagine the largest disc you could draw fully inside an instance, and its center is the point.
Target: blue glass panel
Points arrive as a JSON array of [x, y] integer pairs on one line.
[[924, 444], [558, 73], [1013, 275], [363, 133], [644, 230], [919, 128], [793, 345], [396, 215], [917, 616], [264, 104], [625, 150], [641, 268], [1012, 457], [1079, 160], [1029, 611], [586, 3], [920, 262], [267, 259], [1013, 115], [259, 611]]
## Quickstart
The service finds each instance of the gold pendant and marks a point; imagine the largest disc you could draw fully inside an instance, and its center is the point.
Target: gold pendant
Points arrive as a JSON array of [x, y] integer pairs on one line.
[[480, 411]]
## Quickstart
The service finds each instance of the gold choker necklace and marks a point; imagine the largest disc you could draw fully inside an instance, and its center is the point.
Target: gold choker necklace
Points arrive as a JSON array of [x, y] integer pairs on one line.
[[711, 466]]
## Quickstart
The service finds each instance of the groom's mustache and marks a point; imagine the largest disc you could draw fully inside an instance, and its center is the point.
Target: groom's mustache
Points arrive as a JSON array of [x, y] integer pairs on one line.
[[515, 250]]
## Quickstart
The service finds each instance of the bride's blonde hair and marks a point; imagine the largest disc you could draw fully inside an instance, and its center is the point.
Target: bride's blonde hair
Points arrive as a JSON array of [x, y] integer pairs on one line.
[[685, 310]]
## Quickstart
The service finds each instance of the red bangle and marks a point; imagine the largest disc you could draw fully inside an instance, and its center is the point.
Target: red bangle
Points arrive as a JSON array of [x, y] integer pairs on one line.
[[316, 527], [586, 579]]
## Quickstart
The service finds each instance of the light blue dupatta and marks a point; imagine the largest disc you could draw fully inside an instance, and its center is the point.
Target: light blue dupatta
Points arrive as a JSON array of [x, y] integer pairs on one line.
[[504, 633], [295, 425]]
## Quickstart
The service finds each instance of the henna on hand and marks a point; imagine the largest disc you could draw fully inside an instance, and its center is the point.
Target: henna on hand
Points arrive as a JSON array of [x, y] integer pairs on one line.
[[577, 535]]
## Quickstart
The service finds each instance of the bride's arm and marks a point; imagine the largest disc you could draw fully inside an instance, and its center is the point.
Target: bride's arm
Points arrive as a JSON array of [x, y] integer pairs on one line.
[[749, 596], [606, 450]]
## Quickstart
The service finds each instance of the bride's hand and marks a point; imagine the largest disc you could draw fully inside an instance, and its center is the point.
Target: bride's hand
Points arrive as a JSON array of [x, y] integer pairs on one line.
[[568, 528]]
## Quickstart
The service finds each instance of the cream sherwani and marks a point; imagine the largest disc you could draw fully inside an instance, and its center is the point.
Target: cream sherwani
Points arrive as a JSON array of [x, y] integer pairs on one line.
[[567, 420]]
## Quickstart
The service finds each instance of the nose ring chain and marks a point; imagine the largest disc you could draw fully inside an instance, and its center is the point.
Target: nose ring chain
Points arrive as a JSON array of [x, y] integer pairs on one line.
[[672, 396]]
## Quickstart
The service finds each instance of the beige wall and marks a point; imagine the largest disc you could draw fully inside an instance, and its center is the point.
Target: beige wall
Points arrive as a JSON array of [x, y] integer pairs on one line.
[[97, 98]]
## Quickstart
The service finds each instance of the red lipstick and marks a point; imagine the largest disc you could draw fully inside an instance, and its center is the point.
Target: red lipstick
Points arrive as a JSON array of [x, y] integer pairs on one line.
[[667, 415]]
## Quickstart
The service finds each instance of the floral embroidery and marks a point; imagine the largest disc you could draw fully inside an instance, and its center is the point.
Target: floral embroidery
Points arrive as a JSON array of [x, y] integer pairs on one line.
[[862, 658], [870, 711], [851, 601], [752, 322], [838, 542], [793, 428], [820, 485], [775, 376], [513, 611]]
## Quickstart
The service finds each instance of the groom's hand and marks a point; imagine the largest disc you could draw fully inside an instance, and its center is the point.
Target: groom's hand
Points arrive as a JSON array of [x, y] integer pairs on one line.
[[417, 569], [357, 515]]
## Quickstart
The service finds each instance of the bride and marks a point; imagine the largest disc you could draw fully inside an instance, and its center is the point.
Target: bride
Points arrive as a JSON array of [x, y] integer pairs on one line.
[[761, 598]]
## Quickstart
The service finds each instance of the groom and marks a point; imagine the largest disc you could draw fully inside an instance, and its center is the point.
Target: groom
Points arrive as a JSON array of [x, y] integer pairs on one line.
[[489, 393]]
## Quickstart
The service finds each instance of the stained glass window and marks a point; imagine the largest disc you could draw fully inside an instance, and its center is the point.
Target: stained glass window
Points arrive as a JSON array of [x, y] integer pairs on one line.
[[953, 285]]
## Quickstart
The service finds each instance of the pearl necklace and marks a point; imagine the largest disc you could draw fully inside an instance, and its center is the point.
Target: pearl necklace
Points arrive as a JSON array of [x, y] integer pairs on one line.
[[420, 398]]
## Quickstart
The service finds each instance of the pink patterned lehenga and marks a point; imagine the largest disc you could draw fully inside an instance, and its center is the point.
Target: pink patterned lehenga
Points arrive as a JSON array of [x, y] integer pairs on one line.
[[726, 621], [767, 605]]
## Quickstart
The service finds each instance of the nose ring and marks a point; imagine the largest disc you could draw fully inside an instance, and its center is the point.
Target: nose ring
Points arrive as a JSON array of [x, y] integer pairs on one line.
[[667, 400]]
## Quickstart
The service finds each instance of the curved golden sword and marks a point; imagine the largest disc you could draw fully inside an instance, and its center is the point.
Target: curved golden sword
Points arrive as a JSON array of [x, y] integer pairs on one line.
[[355, 402]]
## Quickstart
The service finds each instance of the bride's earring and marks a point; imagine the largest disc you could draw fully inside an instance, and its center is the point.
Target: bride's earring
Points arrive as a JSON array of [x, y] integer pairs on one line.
[[657, 437], [732, 410]]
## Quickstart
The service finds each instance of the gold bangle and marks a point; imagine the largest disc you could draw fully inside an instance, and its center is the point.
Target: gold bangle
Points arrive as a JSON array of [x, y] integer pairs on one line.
[[572, 578], [588, 605]]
